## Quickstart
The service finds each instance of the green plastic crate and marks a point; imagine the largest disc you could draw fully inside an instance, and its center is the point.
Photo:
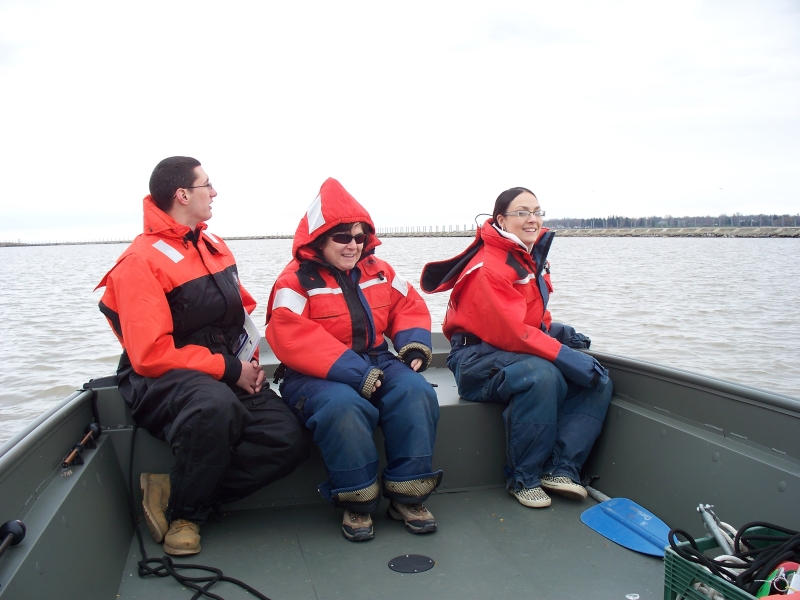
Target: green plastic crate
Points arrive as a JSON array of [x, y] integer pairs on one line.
[[680, 574]]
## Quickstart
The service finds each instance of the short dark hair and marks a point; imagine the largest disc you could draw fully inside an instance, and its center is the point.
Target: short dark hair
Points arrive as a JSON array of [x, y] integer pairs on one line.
[[506, 198], [170, 175], [320, 241]]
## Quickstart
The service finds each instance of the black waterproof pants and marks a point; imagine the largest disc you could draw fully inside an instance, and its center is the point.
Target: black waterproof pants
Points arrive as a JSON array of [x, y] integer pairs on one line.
[[227, 444]]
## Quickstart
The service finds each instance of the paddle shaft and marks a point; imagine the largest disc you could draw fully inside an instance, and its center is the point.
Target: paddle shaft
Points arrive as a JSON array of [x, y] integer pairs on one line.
[[599, 496]]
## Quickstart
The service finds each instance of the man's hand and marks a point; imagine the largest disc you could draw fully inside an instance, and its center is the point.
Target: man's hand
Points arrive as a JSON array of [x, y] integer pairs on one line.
[[261, 375], [376, 386], [252, 378], [416, 364]]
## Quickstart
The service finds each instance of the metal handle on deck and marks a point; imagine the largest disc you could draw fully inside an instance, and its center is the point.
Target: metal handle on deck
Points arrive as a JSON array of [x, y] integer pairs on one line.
[[12, 533], [710, 520], [92, 432]]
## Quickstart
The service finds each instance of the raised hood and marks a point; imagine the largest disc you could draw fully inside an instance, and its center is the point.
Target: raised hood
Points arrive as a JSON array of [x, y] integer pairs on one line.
[[442, 275], [332, 206]]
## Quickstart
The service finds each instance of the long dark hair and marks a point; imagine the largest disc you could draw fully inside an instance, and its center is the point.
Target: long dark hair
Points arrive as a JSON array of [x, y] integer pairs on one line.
[[506, 198]]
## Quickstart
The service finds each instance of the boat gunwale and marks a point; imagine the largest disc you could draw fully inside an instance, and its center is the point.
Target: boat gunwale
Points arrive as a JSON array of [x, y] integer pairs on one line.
[[707, 383], [32, 433]]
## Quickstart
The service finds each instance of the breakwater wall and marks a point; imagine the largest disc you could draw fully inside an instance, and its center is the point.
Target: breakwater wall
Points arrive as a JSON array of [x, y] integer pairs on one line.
[[720, 232], [707, 232]]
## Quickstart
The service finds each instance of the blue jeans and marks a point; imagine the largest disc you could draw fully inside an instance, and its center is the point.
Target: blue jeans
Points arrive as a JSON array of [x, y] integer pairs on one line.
[[551, 423], [343, 422]]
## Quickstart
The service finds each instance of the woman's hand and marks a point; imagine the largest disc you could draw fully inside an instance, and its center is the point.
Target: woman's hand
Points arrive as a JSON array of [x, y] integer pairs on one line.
[[416, 356], [372, 382]]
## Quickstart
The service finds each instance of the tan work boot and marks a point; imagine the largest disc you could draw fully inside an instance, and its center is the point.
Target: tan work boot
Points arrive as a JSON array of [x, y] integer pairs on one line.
[[183, 538], [155, 497]]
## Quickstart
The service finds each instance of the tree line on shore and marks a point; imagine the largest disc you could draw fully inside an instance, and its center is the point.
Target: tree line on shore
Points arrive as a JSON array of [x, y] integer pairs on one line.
[[724, 220]]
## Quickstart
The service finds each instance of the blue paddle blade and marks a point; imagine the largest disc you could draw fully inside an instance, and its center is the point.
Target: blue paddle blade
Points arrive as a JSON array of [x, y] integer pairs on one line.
[[629, 525]]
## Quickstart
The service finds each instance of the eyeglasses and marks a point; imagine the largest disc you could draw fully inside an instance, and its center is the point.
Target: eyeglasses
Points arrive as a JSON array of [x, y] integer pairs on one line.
[[525, 213], [205, 185], [344, 238]]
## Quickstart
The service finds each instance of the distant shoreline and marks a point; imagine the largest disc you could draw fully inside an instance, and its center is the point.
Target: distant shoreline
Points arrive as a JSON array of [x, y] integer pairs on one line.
[[707, 232]]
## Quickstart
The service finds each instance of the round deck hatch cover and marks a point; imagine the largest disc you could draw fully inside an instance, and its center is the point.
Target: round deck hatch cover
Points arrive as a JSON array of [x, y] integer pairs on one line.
[[411, 563]]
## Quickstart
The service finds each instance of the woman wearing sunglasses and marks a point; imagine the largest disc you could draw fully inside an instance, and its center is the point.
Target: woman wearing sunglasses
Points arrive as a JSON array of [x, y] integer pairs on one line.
[[327, 316], [506, 349]]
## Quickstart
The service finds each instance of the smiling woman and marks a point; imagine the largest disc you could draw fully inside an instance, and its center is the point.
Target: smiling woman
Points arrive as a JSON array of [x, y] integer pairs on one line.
[[507, 349], [343, 245], [327, 317], [517, 212]]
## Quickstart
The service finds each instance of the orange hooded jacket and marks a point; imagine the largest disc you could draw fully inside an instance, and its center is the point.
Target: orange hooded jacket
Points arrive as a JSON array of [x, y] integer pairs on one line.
[[310, 322], [174, 300], [500, 292]]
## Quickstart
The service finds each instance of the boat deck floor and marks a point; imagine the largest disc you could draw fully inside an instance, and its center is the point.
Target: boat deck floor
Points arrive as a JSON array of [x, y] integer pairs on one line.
[[487, 546]]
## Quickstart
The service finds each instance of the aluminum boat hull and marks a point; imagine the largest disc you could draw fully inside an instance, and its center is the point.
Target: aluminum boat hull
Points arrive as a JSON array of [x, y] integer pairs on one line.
[[671, 441]]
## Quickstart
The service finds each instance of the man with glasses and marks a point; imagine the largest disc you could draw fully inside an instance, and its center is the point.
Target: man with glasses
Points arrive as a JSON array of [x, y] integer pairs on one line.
[[175, 303]]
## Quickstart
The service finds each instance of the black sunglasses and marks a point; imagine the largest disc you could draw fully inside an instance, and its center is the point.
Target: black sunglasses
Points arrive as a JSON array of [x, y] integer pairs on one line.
[[344, 238]]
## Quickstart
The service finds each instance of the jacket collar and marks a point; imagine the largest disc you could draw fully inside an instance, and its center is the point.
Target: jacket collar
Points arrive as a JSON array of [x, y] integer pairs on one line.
[[494, 236], [156, 221]]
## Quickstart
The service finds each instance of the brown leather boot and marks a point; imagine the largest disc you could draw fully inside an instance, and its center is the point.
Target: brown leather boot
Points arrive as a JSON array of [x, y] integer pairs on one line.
[[183, 538], [155, 497], [417, 518], [357, 527]]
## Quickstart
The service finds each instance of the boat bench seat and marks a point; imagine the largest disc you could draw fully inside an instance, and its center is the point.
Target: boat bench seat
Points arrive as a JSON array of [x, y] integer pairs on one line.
[[469, 448]]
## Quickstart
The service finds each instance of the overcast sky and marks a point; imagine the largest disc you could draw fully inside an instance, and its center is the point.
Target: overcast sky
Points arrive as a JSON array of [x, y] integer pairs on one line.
[[425, 111]]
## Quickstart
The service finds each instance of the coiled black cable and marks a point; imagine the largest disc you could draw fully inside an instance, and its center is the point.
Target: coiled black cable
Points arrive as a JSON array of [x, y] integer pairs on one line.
[[165, 567], [760, 560]]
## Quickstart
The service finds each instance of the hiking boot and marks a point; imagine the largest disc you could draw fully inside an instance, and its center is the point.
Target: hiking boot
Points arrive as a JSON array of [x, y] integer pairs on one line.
[[357, 527], [155, 496], [531, 497], [417, 518], [182, 538], [563, 486]]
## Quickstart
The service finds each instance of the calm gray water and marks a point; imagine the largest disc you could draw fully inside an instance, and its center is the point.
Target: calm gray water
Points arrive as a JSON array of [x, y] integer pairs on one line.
[[722, 307]]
